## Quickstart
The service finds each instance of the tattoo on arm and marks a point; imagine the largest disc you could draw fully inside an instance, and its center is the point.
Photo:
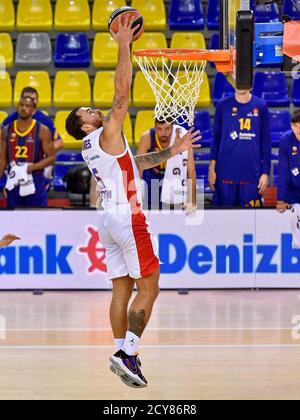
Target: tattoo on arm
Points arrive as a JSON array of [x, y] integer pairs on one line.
[[137, 322], [151, 160], [118, 103]]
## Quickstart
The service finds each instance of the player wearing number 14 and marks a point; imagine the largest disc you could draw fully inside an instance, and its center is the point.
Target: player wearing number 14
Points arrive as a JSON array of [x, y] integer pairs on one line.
[[26, 150]]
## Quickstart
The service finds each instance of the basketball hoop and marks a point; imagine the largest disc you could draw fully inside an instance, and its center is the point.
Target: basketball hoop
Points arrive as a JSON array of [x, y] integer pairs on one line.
[[176, 77]]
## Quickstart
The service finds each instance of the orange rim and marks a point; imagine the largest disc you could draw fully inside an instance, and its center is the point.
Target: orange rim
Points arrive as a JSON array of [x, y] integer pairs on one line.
[[222, 58]]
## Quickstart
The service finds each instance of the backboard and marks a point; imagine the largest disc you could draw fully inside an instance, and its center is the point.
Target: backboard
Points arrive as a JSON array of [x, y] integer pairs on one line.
[[236, 33]]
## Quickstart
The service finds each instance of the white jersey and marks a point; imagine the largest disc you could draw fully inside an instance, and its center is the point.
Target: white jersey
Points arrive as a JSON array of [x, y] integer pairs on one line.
[[117, 177]]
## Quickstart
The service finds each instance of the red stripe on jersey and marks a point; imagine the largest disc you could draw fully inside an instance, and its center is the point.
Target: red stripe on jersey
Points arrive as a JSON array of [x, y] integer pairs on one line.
[[148, 261]]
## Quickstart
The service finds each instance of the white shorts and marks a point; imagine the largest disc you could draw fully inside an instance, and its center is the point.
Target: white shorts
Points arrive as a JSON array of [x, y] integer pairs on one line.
[[131, 249]]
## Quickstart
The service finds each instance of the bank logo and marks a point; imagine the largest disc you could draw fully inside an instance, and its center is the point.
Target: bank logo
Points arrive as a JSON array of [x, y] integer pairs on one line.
[[95, 252]]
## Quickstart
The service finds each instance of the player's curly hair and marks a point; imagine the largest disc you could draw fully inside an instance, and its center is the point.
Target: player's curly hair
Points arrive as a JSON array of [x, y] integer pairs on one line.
[[296, 117], [74, 124]]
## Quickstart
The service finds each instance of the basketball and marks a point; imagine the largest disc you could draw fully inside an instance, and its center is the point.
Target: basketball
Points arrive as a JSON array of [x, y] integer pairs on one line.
[[125, 12]]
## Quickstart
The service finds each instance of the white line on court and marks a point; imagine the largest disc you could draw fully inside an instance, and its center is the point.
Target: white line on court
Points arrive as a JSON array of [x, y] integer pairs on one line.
[[158, 346], [149, 329]]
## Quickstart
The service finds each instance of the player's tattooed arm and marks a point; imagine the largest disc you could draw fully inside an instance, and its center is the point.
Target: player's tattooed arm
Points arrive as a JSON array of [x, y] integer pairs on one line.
[[137, 323], [181, 144], [118, 104], [151, 160]]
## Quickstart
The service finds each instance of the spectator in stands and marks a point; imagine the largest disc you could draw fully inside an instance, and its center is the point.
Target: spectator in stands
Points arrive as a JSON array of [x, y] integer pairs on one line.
[[171, 184], [289, 167], [26, 149], [241, 151], [37, 115]]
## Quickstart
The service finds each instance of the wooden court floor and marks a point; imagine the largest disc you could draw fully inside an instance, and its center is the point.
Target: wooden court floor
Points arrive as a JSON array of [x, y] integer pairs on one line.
[[205, 345]]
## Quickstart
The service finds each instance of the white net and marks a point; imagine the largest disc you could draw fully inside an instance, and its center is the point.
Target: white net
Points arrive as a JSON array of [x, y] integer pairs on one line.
[[176, 86]]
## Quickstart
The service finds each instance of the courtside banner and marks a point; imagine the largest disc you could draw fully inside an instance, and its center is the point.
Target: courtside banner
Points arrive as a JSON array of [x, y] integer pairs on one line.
[[222, 249]]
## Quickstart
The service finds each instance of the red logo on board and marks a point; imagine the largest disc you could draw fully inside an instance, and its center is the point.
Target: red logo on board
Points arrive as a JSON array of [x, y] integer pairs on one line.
[[95, 252]]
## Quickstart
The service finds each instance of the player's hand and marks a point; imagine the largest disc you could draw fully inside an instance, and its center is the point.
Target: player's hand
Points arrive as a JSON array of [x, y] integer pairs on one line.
[[190, 208], [263, 184], [282, 207], [8, 239], [212, 178], [125, 32], [182, 144]]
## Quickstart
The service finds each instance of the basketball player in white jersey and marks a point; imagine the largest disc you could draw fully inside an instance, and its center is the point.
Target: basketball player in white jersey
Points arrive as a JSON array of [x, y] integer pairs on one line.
[[131, 250]]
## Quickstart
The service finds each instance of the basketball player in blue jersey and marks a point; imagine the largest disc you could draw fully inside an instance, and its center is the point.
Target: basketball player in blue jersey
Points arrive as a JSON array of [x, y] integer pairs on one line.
[[289, 167], [131, 251], [37, 115], [26, 141], [241, 151]]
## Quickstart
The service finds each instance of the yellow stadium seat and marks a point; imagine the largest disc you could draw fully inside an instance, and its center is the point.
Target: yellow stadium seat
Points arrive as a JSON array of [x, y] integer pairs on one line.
[[60, 125], [149, 41], [204, 98], [144, 121], [40, 80], [6, 90], [104, 88], [3, 115], [188, 40], [72, 15], [105, 51], [154, 13], [72, 88], [7, 15], [34, 15], [6, 50], [102, 10], [143, 95]]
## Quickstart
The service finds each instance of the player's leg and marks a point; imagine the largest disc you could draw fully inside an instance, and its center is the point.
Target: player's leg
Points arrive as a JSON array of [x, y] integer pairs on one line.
[[226, 194], [122, 291], [140, 254]]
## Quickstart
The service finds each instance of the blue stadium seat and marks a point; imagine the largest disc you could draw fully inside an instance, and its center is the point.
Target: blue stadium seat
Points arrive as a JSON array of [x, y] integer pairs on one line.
[[214, 45], [296, 92], [72, 50], [64, 162], [186, 15], [213, 15], [272, 87], [280, 123], [202, 122], [266, 13], [290, 9], [221, 88], [276, 171]]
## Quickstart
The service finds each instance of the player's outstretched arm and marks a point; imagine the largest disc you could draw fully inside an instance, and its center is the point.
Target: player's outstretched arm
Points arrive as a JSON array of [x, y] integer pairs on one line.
[[114, 120], [8, 239], [181, 144]]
